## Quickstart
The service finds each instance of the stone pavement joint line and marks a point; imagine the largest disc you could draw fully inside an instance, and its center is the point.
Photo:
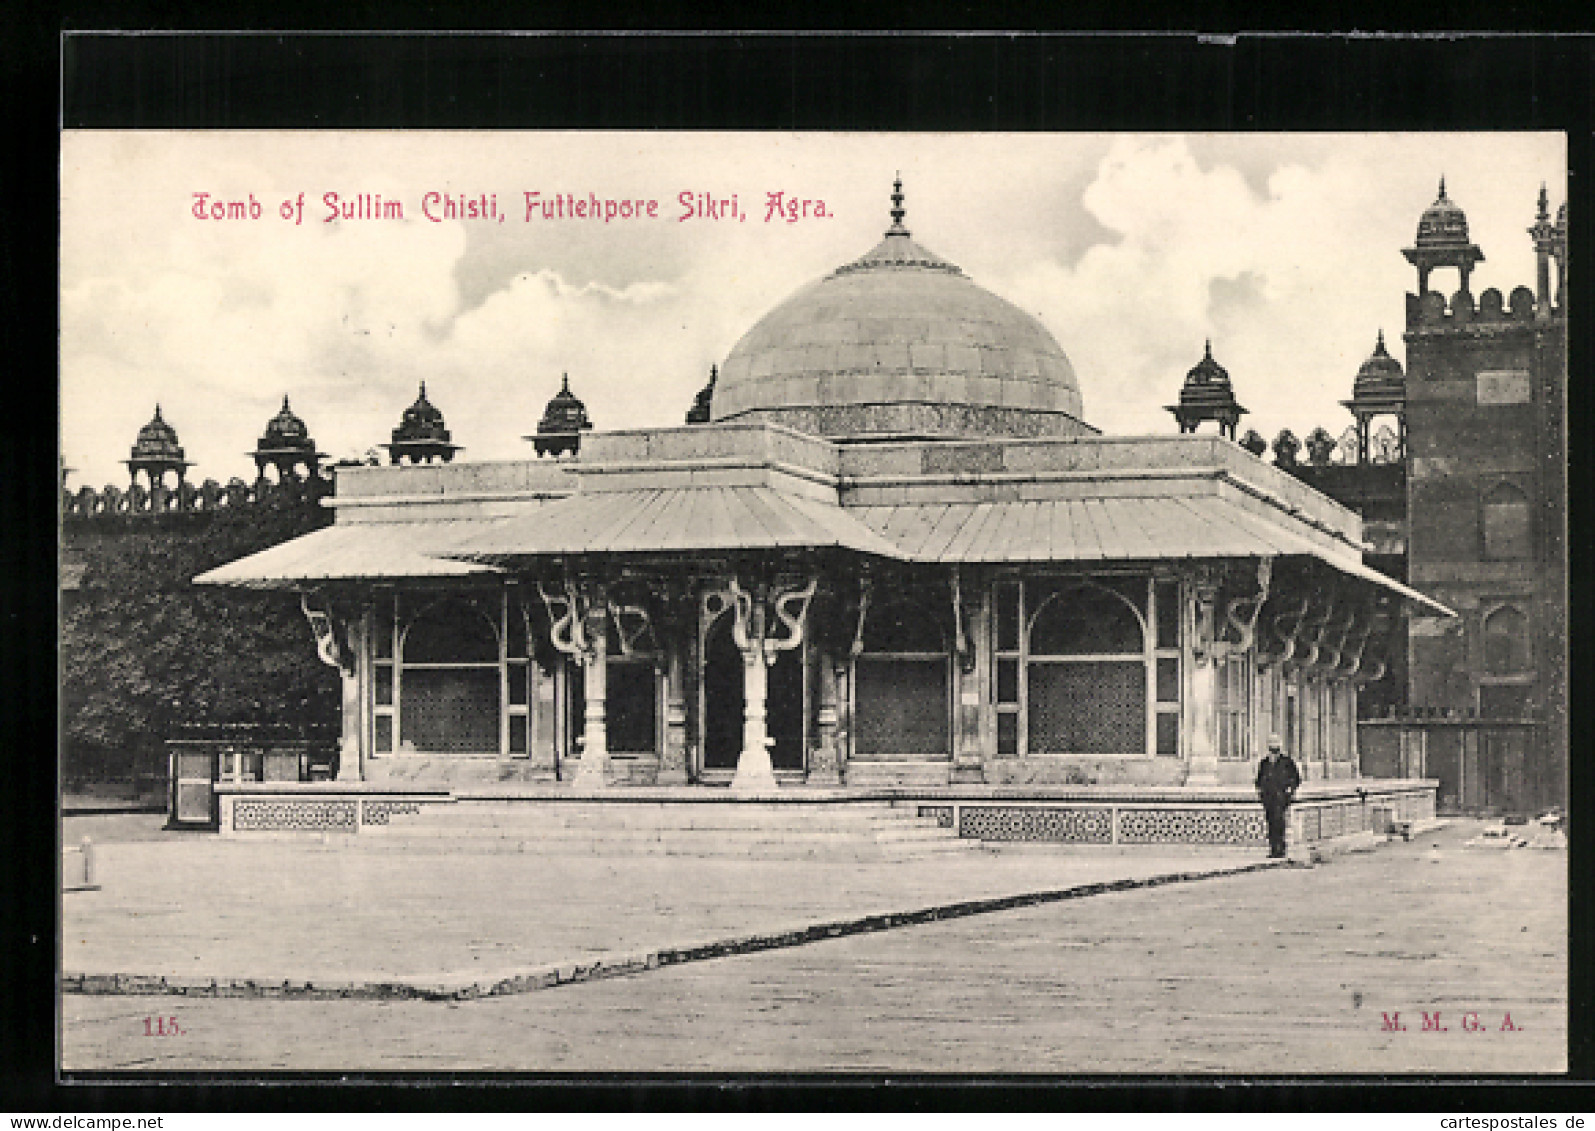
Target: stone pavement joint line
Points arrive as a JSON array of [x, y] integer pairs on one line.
[[431, 988]]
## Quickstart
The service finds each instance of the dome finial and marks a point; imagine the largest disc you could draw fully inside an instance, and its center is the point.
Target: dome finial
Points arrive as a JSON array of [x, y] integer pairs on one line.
[[1442, 186], [1209, 349], [423, 390], [157, 410], [285, 402], [1545, 204], [1380, 347], [564, 382], [897, 228]]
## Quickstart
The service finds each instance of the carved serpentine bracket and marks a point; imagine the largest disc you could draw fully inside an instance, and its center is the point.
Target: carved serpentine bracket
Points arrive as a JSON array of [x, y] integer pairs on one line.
[[1244, 625], [1378, 620], [785, 600], [1282, 628], [963, 614], [568, 611], [326, 630], [1205, 647], [641, 625], [1311, 634], [866, 588], [1333, 649], [751, 621], [1351, 653]]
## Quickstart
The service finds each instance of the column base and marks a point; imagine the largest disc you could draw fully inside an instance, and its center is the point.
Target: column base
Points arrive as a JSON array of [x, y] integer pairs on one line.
[[967, 775], [349, 763], [1202, 771], [589, 780]]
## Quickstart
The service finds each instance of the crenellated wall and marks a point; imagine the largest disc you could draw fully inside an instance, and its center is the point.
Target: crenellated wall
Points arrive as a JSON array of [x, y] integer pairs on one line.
[[1432, 311], [209, 497]]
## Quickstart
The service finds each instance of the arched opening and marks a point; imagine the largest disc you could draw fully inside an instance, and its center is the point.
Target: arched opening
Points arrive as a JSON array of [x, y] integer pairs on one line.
[[1506, 642], [1087, 674], [901, 686], [723, 702], [449, 683], [724, 705], [1506, 523]]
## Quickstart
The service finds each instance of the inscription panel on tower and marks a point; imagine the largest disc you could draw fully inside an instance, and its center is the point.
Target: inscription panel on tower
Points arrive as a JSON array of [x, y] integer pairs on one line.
[[1503, 386]]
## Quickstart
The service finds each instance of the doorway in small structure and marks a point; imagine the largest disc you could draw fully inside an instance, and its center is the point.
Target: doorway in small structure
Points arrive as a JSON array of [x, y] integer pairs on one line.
[[723, 706]]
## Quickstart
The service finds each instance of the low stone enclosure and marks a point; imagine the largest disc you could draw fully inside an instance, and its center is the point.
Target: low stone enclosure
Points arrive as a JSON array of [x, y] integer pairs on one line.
[[1080, 816]]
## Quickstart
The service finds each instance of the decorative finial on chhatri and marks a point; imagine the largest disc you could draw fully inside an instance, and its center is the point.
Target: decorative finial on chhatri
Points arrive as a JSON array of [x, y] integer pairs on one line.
[[157, 410], [285, 402], [423, 390], [897, 228], [1209, 350], [1380, 347], [1442, 186], [564, 382], [1545, 203]]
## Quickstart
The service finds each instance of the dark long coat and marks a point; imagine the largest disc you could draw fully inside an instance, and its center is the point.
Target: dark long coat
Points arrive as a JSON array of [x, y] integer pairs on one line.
[[1277, 780]]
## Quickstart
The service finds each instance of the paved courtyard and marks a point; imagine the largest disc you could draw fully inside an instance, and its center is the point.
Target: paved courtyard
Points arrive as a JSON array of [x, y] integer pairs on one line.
[[1282, 971]]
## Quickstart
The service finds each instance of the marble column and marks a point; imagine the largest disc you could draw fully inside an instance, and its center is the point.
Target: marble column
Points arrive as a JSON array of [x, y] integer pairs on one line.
[[754, 769], [973, 693], [673, 760], [824, 764], [1201, 684], [354, 674], [590, 775]]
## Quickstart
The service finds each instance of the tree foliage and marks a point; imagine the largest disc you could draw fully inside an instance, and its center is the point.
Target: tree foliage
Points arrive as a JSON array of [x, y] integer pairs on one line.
[[143, 648]]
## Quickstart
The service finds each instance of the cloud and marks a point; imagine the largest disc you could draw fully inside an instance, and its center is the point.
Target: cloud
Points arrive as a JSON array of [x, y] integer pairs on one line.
[[1285, 250]]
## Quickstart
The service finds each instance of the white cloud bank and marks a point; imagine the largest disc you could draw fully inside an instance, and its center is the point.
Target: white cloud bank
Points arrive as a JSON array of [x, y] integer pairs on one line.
[[1132, 250]]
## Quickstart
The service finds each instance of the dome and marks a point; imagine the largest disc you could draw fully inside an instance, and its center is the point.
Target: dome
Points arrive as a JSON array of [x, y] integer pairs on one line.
[[421, 421], [1381, 377], [1207, 395], [1207, 382], [157, 440], [1443, 224], [564, 420], [285, 431], [421, 436], [900, 342]]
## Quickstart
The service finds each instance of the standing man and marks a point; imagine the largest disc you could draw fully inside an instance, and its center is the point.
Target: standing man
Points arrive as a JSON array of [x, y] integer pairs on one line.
[[1277, 779]]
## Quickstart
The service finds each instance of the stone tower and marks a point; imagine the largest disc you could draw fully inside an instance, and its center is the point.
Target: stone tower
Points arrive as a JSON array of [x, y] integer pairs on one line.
[[1485, 400]]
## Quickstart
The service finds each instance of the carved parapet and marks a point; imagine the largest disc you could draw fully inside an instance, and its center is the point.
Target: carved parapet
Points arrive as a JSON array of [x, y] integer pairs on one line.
[[1433, 311], [87, 503]]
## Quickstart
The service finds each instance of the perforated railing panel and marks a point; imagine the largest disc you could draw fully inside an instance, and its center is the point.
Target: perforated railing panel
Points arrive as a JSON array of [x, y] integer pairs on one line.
[[1096, 707]]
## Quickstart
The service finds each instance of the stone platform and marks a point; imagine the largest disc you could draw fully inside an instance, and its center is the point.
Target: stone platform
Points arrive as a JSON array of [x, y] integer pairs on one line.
[[1101, 816]]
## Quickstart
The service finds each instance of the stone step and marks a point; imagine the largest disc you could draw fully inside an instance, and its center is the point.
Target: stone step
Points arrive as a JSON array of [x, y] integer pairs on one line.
[[720, 817], [463, 833], [909, 774], [764, 849]]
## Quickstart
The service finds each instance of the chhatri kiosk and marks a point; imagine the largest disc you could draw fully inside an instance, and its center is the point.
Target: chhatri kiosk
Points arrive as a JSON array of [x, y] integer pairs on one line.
[[895, 561]]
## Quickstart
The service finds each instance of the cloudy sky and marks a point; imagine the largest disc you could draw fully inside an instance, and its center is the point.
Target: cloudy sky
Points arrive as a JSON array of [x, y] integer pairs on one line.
[[1130, 249]]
